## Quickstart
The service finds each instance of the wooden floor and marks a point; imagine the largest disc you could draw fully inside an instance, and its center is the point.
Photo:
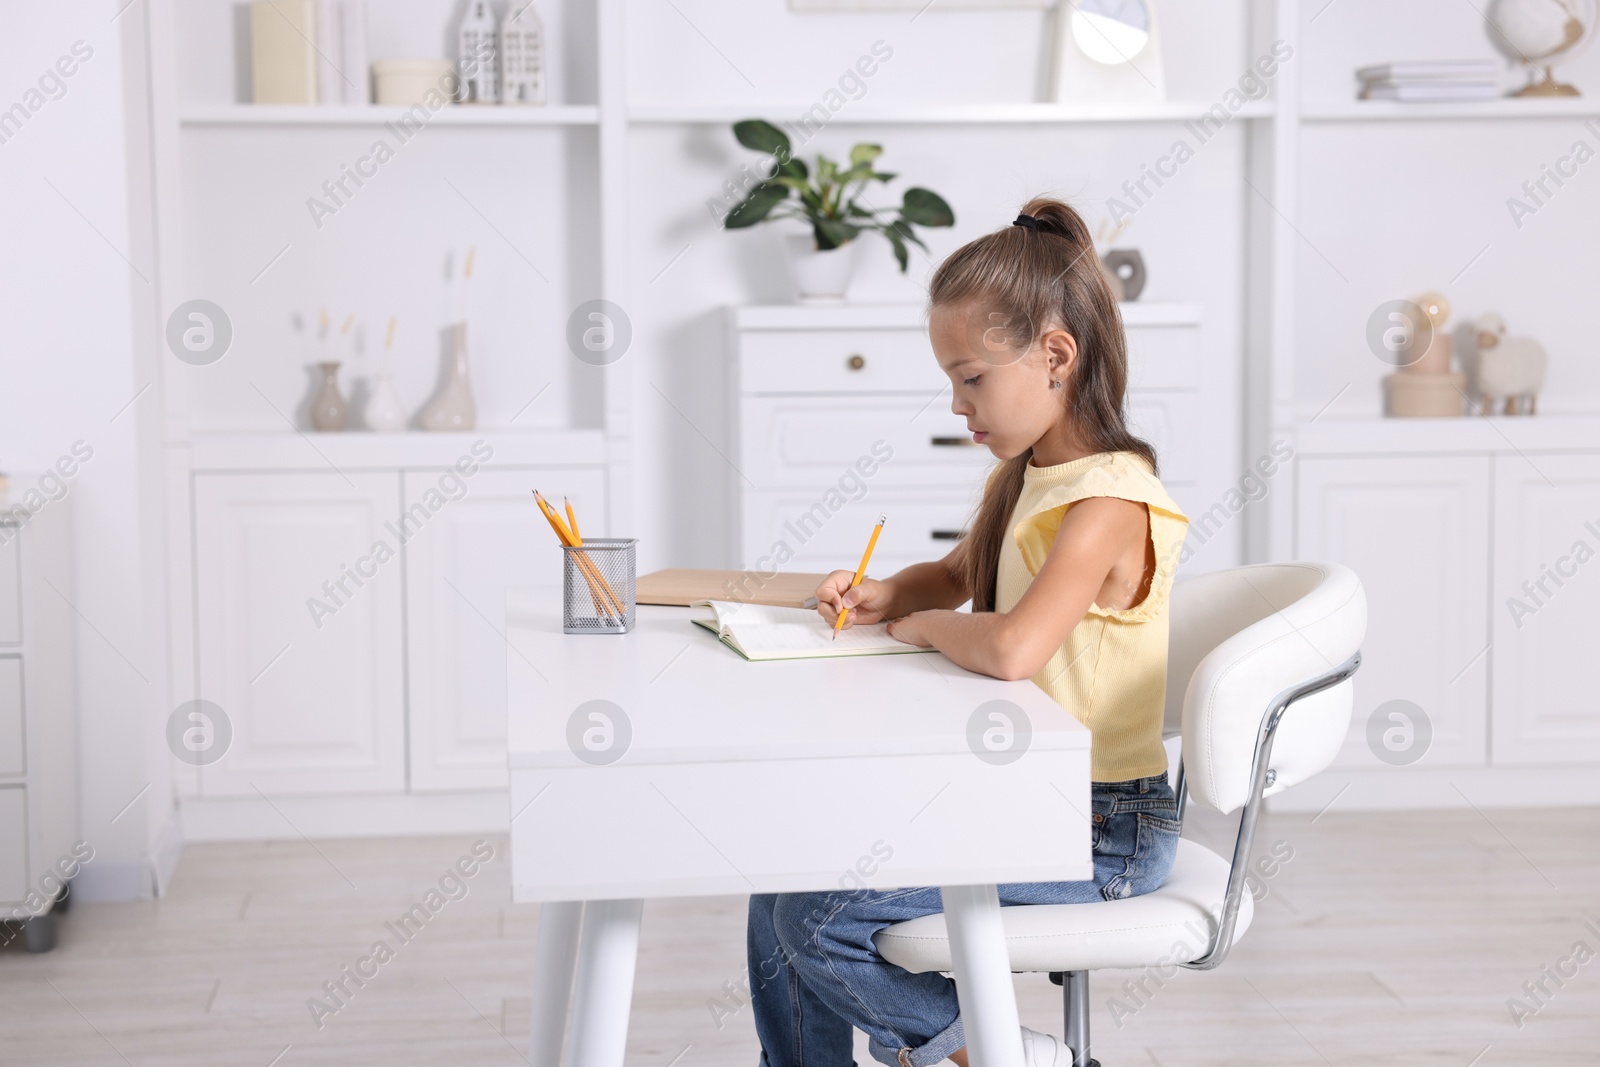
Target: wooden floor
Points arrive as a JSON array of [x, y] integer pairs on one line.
[[1389, 939]]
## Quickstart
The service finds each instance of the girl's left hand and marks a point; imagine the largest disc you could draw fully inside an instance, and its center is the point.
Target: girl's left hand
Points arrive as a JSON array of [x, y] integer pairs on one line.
[[906, 629]]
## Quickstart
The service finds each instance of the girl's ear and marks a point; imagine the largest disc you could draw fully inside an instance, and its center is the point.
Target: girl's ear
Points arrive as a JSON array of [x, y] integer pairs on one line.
[[1061, 349]]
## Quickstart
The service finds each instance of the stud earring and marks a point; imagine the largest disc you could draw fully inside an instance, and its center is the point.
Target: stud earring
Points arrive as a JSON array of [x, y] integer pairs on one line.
[[1055, 383]]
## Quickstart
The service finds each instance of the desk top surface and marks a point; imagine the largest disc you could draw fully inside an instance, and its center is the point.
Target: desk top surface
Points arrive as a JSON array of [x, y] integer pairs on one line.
[[684, 697]]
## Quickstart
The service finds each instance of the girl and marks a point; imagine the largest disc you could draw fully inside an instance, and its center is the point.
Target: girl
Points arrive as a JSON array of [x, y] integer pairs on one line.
[[1068, 564]]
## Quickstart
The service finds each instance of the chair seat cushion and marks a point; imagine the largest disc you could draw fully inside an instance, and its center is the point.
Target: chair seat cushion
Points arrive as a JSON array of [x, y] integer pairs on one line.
[[1174, 924]]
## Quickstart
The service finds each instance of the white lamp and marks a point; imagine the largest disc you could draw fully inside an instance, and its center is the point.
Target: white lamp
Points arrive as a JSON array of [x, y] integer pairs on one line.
[[1107, 51]]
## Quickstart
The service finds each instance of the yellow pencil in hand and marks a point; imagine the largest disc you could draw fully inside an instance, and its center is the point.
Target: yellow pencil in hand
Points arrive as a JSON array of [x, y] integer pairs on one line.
[[861, 572]]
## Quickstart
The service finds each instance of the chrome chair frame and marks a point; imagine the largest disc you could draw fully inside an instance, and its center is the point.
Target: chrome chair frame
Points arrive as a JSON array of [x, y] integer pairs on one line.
[[1075, 984]]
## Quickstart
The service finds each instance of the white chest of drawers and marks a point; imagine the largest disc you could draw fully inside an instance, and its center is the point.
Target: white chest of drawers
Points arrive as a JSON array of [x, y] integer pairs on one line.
[[838, 414], [38, 716]]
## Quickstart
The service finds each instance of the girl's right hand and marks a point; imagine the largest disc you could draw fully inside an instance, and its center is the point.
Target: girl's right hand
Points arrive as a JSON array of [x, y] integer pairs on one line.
[[868, 602]]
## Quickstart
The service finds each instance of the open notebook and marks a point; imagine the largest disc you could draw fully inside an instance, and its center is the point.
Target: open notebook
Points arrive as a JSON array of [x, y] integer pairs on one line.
[[763, 631]]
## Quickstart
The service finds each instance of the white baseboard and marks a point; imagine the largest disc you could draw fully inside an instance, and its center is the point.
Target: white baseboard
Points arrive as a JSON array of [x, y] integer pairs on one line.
[[98, 882], [167, 851], [396, 815], [1412, 788]]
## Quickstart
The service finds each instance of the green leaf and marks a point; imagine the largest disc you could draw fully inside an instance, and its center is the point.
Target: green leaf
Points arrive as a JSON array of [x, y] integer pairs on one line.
[[762, 136], [831, 233], [827, 171], [877, 176], [927, 208], [755, 207], [900, 254], [863, 154], [794, 168], [903, 228]]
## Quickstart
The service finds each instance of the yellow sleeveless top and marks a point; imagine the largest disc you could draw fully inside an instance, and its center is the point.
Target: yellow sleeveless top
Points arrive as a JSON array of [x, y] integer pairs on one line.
[[1111, 672]]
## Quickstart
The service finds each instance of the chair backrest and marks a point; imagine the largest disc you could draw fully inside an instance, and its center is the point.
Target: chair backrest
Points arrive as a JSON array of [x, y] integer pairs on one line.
[[1239, 639]]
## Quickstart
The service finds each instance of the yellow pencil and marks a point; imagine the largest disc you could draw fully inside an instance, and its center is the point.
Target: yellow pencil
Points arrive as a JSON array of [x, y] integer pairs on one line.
[[572, 523], [585, 565], [596, 580], [861, 572]]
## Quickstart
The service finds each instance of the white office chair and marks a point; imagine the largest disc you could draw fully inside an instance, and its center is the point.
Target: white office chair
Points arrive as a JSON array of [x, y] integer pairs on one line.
[[1259, 668]]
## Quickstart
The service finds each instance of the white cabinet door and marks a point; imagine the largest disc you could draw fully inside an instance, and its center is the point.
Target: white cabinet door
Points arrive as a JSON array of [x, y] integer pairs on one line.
[[299, 632], [13, 844], [1546, 609], [458, 565], [1416, 532]]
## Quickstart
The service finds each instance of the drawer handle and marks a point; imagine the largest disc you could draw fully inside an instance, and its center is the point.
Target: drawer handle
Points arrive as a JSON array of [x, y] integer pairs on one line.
[[947, 535], [946, 441], [856, 362]]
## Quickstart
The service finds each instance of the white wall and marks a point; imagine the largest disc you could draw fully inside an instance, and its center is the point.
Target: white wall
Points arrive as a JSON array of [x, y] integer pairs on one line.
[[75, 279]]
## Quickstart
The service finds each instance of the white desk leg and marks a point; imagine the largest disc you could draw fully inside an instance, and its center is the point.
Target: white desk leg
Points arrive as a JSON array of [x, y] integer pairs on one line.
[[555, 958], [983, 975], [604, 990]]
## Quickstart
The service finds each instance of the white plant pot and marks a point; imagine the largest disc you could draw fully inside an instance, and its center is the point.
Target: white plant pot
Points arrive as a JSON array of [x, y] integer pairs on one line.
[[820, 277]]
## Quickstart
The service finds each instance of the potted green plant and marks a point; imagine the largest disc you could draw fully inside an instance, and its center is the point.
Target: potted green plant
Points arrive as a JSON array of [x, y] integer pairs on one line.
[[829, 202]]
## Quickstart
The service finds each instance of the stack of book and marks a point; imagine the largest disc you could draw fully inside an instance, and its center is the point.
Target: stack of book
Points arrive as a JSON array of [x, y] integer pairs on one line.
[[1430, 81]]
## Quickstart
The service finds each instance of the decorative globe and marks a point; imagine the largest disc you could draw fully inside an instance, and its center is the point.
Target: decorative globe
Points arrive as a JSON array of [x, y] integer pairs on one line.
[[1541, 33]]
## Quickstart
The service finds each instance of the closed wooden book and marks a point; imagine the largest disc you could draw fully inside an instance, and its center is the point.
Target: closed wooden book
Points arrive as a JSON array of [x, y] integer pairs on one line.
[[682, 586]]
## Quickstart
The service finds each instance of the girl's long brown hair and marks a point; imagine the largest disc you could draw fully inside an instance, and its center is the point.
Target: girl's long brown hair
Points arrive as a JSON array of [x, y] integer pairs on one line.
[[1026, 281]]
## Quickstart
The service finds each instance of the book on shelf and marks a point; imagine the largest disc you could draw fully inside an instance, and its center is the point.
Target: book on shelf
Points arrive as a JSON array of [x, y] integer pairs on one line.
[[283, 57], [1429, 69], [1435, 92], [309, 52]]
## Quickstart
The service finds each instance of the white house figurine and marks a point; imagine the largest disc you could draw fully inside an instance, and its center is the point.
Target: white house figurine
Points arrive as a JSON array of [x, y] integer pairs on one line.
[[480, 76], [521, 55]]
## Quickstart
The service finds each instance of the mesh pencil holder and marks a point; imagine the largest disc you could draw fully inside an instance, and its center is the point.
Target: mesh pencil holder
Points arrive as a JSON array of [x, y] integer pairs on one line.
[[597, 586]]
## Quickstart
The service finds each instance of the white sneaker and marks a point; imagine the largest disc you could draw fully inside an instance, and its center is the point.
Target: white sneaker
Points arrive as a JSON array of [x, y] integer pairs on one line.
[[1044, 1050]]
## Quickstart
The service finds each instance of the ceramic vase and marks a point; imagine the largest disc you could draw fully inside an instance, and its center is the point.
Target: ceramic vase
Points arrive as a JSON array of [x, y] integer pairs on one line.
[[1125, 265], [452, 408], [329, 409], [383, 411], [820, 277]]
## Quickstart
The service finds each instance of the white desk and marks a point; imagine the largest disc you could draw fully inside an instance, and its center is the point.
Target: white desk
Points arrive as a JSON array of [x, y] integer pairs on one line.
[[720, 776]]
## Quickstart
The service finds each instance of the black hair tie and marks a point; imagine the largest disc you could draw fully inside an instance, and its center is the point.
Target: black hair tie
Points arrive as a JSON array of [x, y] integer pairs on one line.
[[1026, 220]]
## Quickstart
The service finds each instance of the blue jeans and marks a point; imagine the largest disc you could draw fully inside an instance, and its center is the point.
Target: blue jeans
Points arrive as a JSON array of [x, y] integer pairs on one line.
[[815, 973]]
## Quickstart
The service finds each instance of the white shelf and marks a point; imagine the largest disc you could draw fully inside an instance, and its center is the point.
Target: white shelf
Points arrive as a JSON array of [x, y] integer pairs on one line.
[[946, 114], [1463, 434], [1501, 108], [364, 450], [379, 114], [909, 316]]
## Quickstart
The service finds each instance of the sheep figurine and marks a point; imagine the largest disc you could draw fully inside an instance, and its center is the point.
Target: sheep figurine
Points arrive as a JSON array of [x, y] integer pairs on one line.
[[1501, 367]]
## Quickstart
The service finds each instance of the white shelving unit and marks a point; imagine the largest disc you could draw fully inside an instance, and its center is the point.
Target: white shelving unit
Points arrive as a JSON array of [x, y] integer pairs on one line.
[[383, 717], [585, 217], [378, 114], [1504, 108], [953, 115], [1442, 518]]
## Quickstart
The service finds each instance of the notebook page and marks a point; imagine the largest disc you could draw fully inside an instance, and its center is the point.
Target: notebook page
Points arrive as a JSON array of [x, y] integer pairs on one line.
[[813, 638], [737, 615]]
